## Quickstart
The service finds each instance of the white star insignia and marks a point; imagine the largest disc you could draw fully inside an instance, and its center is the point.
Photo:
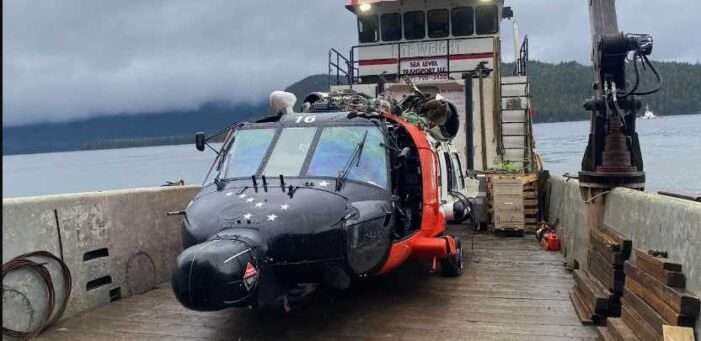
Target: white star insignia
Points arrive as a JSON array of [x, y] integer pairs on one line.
[[247, 216], [323, 184], [259, 204], [242, 196], [250, 200], [272, 217], [284, 207], [229, 194]]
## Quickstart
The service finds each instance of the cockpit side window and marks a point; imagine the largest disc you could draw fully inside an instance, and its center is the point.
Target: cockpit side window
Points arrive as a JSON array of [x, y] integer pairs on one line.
[[391, 26], [487, 19], [247, 152], [414, 25], [337, 144], [368, 28], [438, 23], [463, 21]]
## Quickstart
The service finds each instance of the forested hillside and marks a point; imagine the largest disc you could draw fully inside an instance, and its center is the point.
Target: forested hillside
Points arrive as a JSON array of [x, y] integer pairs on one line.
[[132, 130], [559, 90]]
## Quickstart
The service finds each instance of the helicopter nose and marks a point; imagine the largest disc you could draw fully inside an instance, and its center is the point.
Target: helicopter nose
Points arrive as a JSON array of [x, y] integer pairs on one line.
[[216, 274]]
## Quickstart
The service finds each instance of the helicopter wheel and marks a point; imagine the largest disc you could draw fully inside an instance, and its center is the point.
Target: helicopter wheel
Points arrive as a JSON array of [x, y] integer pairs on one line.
[[453, 266]]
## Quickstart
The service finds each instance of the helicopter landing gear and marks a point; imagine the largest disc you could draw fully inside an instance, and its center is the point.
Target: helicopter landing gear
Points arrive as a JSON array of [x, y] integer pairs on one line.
[[453, 265]]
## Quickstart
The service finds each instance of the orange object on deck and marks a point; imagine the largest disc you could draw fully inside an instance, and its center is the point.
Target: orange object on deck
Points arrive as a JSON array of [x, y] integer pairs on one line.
[[550, 241]]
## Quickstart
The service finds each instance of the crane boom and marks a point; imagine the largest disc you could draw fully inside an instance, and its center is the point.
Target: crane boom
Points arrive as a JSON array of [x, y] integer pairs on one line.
[[602, 18], [613, 157]]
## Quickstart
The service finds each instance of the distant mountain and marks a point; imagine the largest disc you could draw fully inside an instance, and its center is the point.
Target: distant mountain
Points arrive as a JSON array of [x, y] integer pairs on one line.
[[558, 92], [126, 130], [308, 85]]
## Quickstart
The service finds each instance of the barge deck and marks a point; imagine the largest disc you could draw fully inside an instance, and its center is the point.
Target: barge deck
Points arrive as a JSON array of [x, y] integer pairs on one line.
[[511, 290]]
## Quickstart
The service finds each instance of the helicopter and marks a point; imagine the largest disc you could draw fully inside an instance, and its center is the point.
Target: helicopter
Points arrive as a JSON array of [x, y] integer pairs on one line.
[[350, 187]]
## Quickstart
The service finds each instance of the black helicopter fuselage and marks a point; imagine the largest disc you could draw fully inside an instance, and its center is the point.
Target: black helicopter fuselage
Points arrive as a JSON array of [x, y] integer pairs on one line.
[[315, 207]]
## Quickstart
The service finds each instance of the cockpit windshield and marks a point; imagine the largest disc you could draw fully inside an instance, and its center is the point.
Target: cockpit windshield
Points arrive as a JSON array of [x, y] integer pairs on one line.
[[308, 152], [287, 158]]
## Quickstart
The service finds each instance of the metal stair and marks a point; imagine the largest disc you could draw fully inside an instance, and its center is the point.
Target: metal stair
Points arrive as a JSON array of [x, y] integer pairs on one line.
[[516, 125]]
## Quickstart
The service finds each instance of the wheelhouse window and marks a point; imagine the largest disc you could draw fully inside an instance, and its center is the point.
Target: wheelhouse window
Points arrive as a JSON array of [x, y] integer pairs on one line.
[[290, 152], [487, 19], [247, 151], [337, 145], [391, 25], [438, 23], [463, 21], [414, 25], [368, 28]]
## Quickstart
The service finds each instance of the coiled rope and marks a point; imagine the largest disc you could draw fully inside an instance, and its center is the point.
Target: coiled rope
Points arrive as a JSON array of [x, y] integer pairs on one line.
[[23, 261]]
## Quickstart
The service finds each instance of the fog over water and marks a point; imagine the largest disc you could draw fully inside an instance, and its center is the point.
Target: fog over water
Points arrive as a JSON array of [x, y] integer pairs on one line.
[[74, 59]]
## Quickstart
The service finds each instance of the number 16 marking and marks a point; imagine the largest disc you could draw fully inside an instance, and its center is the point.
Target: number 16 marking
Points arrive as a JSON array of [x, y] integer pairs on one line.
[[306, 119]]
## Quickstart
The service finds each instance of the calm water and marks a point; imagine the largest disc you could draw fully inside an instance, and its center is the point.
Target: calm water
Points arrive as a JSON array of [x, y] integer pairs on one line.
[[671, 147]]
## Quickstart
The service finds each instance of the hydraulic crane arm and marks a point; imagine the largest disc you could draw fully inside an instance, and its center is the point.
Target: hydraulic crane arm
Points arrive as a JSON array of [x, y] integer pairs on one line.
[[613, 157]]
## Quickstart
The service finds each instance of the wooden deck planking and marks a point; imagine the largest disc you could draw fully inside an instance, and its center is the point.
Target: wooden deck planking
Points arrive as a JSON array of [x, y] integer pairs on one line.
[[511, 290]]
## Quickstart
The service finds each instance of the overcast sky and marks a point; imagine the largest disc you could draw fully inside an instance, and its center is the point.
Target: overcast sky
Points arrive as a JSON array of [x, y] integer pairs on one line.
[[69, 59]]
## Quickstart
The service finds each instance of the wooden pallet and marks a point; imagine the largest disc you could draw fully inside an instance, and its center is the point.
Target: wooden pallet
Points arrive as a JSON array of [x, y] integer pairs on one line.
[[654, 297], [617, 330], [604, 273]]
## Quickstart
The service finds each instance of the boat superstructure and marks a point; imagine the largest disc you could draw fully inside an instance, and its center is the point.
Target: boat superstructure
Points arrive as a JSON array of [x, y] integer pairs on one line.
[[452, 48]]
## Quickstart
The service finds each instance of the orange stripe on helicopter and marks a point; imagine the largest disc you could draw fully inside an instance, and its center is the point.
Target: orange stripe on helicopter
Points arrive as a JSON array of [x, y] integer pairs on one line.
[[425, 243]]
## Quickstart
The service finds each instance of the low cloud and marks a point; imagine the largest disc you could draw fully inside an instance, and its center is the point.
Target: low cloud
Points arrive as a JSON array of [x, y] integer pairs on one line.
[[65, 60]]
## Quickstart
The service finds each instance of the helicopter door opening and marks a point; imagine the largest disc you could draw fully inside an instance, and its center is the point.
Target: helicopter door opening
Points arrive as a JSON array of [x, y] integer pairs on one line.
[[452, 186], [451, 179], [458, 168], [407, 190]]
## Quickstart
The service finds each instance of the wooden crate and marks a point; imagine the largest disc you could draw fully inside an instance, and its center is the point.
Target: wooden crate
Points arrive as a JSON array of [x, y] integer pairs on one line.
[[513, 202]]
